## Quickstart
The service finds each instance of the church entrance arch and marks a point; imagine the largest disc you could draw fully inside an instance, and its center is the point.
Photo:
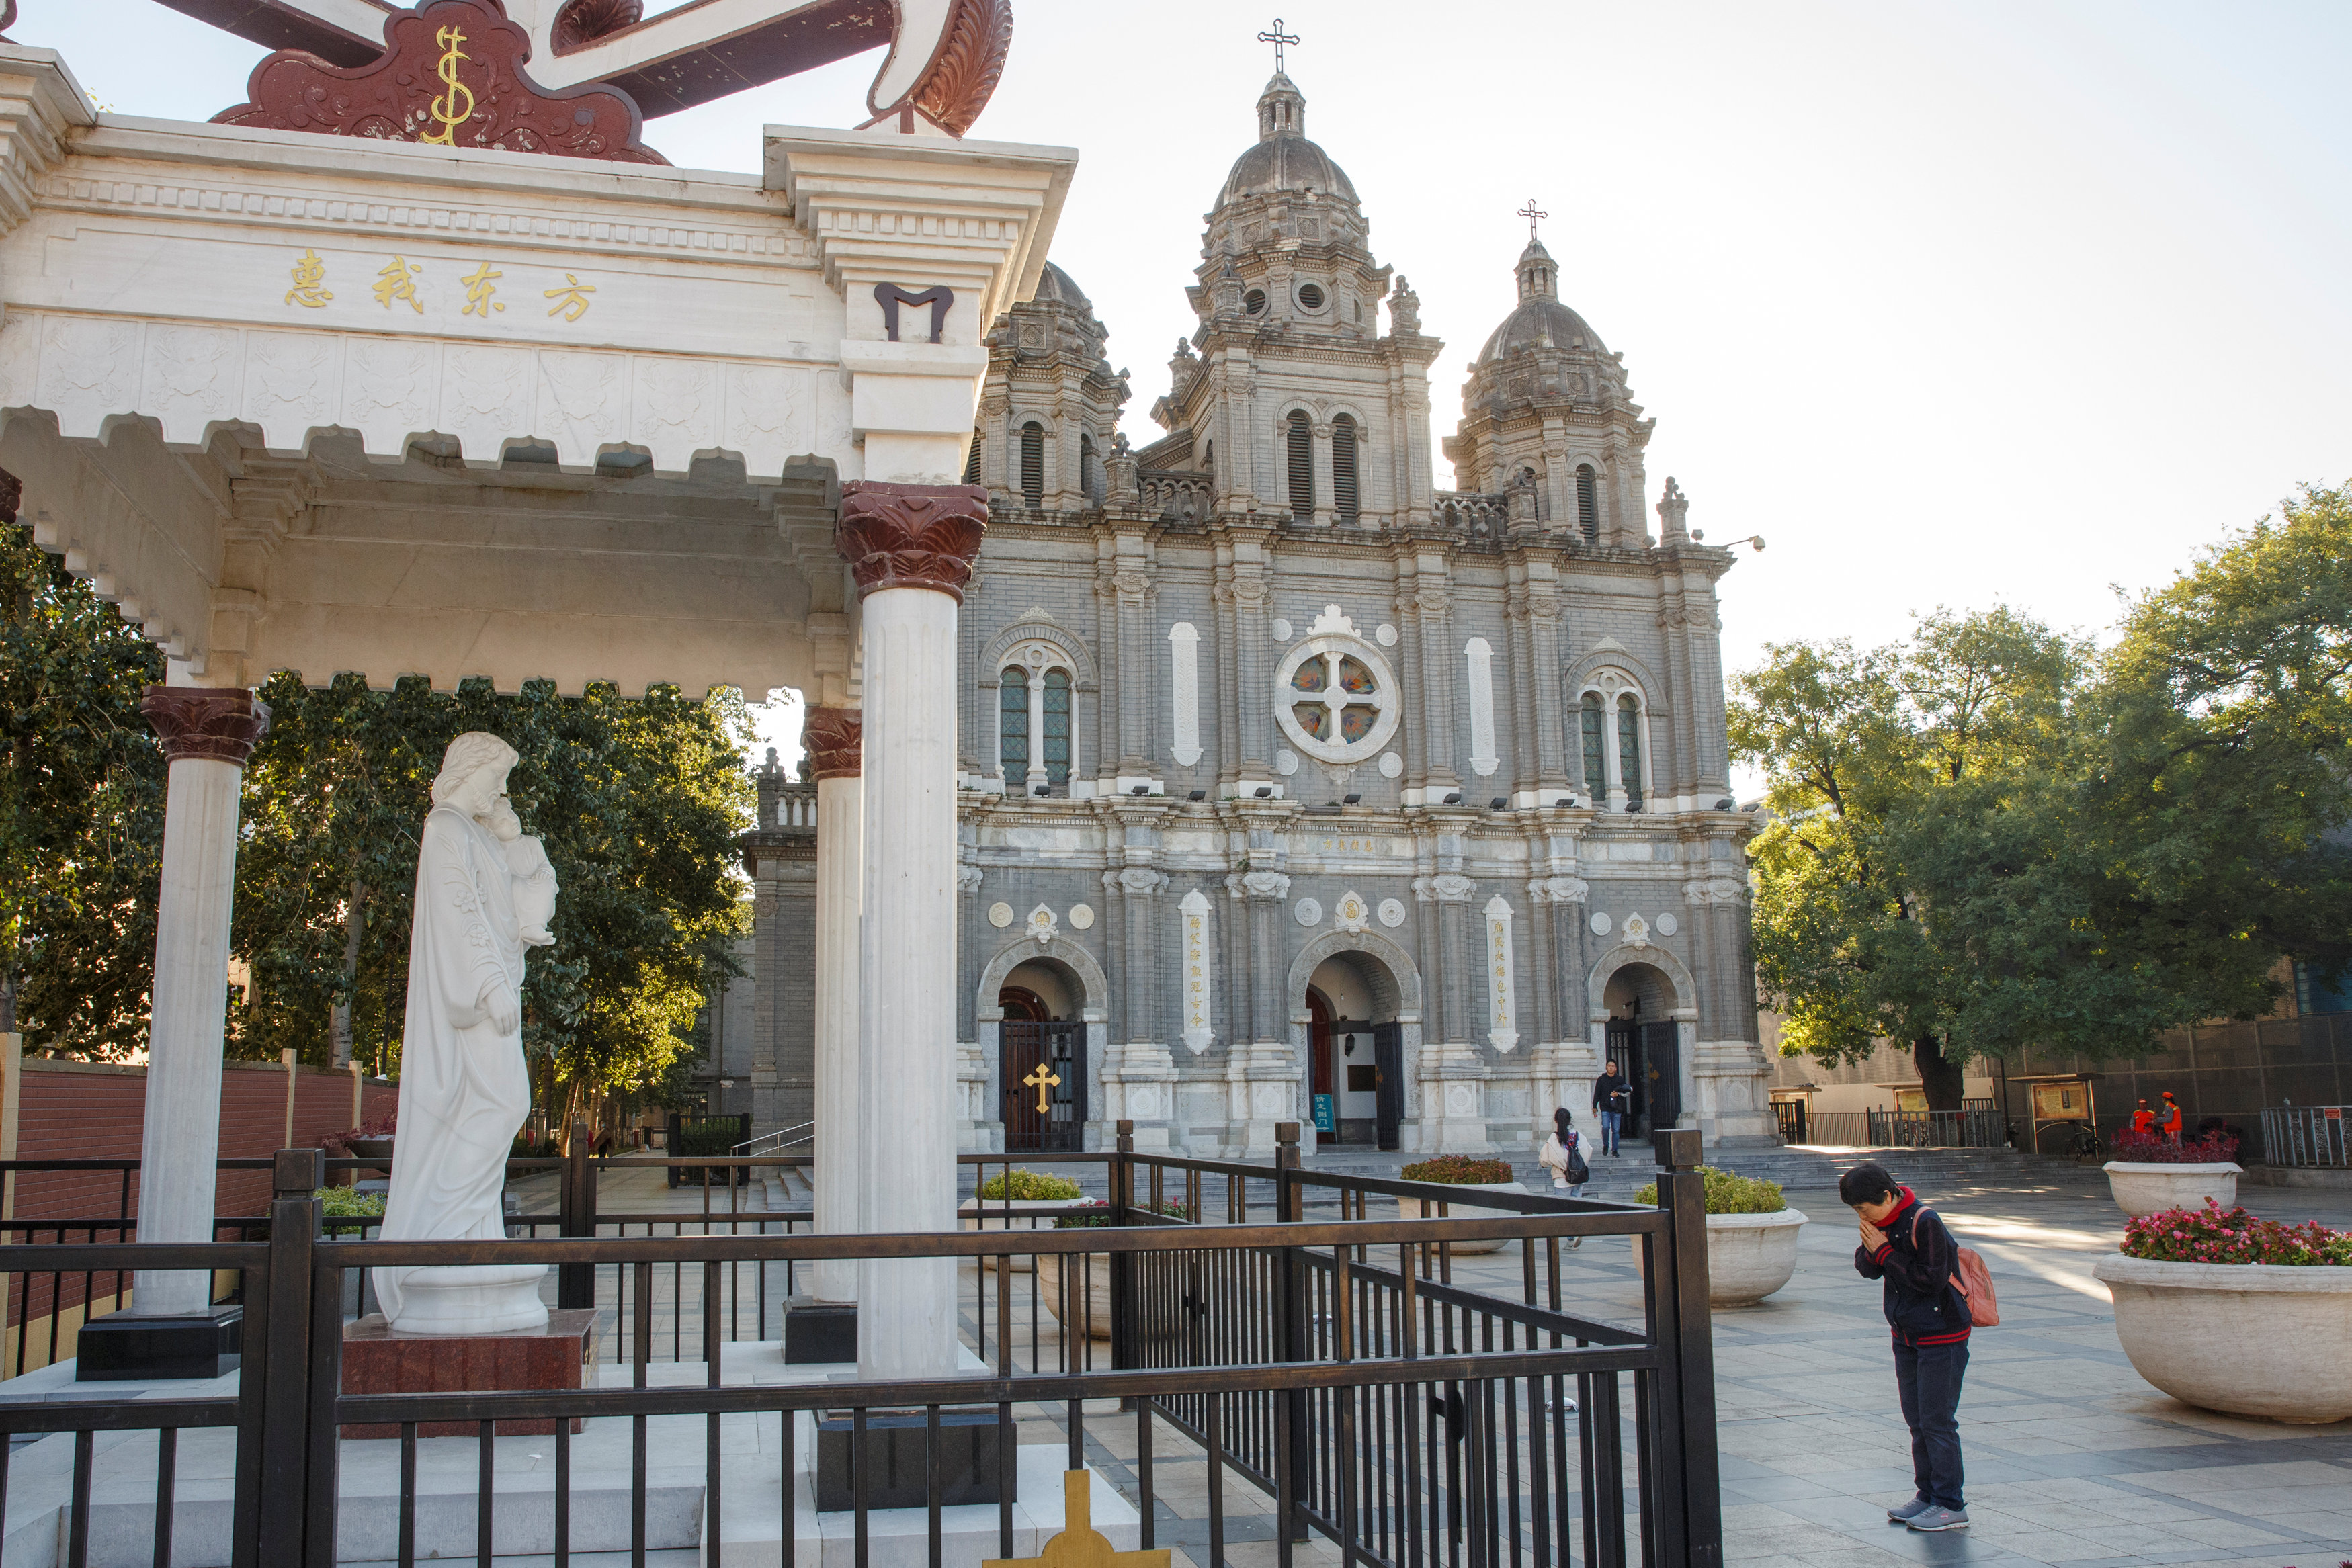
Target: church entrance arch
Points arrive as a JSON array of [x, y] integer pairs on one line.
[[1355, 1019], [1642, 1018], [1043, 1051]]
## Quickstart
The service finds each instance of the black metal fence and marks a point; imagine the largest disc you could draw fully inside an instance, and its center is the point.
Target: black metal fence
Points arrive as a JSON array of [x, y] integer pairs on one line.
[[1335, 1362], [1967, 1129]]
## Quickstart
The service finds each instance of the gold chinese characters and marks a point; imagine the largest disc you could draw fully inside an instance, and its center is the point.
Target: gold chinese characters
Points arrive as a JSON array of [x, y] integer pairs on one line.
[[398, 281], [308, 274], [403, 281]]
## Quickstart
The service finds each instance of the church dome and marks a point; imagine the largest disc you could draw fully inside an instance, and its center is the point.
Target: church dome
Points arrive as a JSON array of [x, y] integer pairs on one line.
[[1056, 286], [1284, 160], [1539, 320]]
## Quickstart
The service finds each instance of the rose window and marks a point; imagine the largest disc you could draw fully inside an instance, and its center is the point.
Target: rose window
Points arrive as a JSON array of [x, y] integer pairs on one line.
[[1336, 699]]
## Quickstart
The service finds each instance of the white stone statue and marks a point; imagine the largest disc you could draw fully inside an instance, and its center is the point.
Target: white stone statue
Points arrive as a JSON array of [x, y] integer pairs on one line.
[[484, 893]]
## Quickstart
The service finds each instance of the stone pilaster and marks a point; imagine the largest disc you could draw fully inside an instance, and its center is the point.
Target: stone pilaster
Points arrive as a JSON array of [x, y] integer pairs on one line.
[[1454, 1071], [1261, 1072]]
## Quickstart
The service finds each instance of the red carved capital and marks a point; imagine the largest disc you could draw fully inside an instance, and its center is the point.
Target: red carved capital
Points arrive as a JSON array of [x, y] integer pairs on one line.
[[213, 724], [911, 536], [836, 742]]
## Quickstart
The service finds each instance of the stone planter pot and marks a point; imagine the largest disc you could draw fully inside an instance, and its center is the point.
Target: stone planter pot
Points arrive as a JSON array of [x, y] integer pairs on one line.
[[1748, 1256], [2143, 1189], [1094, 1276], [985, 1214], [2249, 1339], [1461, 1209]]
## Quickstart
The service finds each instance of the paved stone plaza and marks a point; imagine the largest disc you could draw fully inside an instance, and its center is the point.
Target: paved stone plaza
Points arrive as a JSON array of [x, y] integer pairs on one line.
[[2072, 1457]]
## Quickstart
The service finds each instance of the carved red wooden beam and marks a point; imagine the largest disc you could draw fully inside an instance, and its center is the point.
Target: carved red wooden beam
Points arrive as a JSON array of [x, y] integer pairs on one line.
[[450, 73], [945, 55]]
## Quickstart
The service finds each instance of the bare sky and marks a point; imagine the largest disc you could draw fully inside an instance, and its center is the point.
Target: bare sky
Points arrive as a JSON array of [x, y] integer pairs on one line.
[[1954, 304]]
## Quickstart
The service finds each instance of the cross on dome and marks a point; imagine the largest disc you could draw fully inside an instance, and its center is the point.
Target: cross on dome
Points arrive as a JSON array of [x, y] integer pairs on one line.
[[1530, 213], [1278, 39]]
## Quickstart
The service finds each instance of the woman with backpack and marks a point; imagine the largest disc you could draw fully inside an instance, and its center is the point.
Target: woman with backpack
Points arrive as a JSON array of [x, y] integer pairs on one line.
[[1564, 1155], [1935, 1290]]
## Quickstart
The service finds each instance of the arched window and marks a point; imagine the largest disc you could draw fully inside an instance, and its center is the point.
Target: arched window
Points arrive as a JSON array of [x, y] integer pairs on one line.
[[1588, 503], [1302, 467], [1058, 727], [1032, 465], [972, 461], [1209, 460], [1012, 725], [1629, 751], [1344, 494], [1596, 765], [1090, 470]]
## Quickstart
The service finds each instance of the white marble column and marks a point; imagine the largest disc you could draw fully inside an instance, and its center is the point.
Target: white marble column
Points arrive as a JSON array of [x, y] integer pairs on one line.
[[207, 734], [832, 737], [911, 547]]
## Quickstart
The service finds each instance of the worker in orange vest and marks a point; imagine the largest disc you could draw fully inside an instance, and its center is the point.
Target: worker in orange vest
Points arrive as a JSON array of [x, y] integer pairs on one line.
[[2143, 1120], [2171, 1121]]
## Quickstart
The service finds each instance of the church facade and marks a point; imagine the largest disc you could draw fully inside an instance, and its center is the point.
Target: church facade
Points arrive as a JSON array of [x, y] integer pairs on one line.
[[1294, 788]]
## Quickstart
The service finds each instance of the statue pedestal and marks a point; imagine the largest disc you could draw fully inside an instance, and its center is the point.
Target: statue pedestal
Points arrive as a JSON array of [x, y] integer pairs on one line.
[[378, 1359]]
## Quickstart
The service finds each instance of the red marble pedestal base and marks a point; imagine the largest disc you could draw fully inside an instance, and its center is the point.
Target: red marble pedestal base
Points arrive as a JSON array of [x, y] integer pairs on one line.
[[378, 1361]]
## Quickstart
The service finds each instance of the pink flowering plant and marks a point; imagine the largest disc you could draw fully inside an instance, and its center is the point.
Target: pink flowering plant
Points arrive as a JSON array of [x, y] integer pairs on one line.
[[2155, 1149], [2216, 1235]]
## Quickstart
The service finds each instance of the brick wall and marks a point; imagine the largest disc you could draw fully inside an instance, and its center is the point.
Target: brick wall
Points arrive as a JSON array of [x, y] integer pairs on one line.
[[92, 1110]]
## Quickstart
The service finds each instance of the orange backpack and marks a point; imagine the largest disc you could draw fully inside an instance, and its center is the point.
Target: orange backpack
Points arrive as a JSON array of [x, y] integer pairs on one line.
[[1974, 1280]]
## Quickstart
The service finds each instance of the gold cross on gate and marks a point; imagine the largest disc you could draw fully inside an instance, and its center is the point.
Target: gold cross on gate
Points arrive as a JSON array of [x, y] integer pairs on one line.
[[1040, 1080], [1080, 1545]]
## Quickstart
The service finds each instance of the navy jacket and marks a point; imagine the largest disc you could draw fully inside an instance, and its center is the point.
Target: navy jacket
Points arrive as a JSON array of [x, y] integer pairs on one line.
[[1922, 1304]]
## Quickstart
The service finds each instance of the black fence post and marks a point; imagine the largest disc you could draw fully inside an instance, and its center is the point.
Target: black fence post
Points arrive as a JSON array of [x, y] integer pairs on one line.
[[1123, 1264], [283, 1499], [1682, 1192], [575, 1283], [1290, 1302]]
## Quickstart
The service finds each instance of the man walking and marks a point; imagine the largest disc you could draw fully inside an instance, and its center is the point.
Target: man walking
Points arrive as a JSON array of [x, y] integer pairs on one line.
[[2169, 1123], [1613, 1098]]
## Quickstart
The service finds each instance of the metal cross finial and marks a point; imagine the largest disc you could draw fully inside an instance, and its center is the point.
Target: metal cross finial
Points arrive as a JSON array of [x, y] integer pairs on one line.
[[1531, 214], [1278, 39]]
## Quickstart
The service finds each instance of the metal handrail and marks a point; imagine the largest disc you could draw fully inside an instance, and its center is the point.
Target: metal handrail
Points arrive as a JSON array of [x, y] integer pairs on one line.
[[751, 1145], [2307, 1135]]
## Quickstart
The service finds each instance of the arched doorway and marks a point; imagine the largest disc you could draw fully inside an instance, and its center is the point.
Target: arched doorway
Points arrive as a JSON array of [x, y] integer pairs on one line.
[[1042, 1057], [1644, 1041], [1355, 1053]]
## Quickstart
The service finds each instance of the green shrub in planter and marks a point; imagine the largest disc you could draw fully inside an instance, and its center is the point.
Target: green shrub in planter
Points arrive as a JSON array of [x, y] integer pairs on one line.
[[1727, 1192], [1459, 1170], [1027, 1186], [350, 1203], [1097, 1214]]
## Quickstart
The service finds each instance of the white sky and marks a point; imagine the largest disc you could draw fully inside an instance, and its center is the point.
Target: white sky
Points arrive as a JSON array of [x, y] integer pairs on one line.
[[1951, 303]]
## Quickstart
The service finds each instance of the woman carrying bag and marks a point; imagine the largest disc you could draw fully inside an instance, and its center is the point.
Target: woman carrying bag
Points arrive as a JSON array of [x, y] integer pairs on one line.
[[1564, 1155]]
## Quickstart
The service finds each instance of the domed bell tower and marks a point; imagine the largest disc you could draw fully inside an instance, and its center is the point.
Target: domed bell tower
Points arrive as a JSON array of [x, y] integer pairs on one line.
[[1306, 415], [1547, 410]]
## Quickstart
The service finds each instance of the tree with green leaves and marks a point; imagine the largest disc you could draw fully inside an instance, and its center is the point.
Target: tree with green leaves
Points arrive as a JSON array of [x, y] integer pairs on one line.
[[1858, 747], [1987, 838], [639, 803], [81, 811]]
